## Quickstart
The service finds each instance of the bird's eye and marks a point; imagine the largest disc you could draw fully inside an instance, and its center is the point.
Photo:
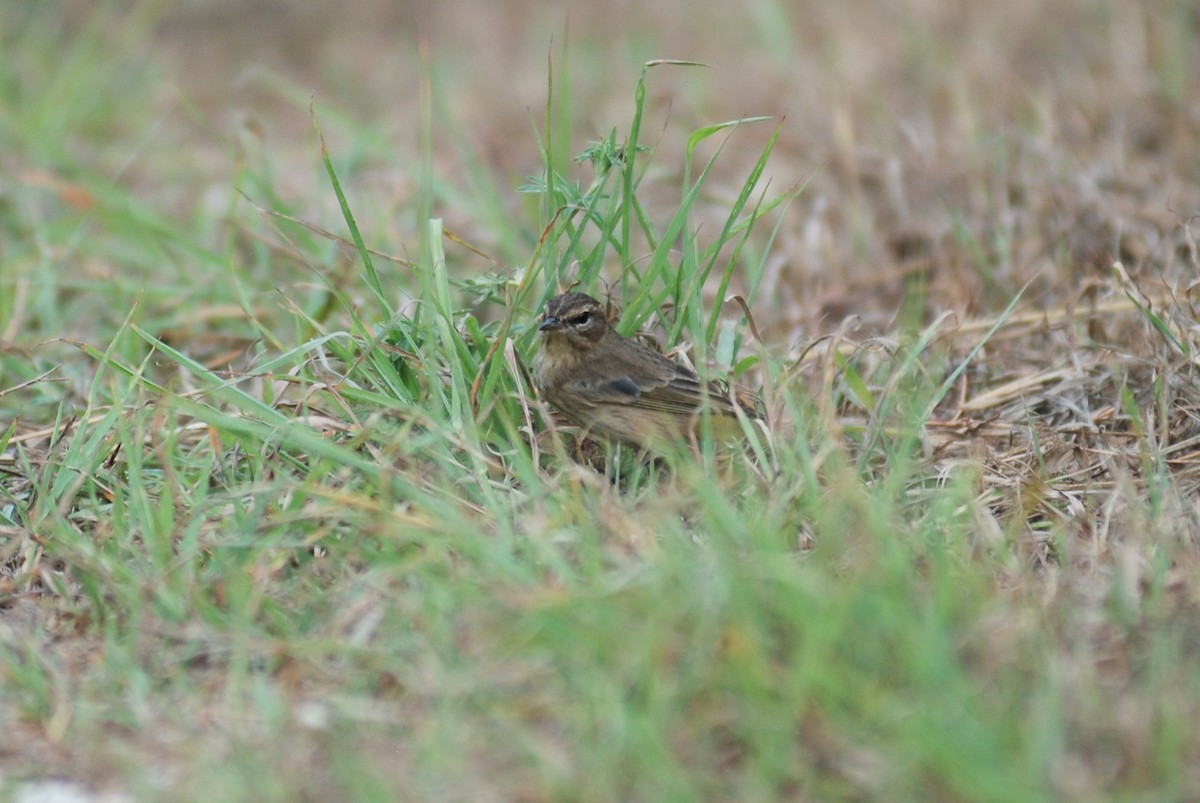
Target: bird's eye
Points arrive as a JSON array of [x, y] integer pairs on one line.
[[583, 318]]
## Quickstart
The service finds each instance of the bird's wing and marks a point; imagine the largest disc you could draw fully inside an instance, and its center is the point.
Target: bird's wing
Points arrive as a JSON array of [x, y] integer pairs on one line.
[[653, 384], [683, 394]]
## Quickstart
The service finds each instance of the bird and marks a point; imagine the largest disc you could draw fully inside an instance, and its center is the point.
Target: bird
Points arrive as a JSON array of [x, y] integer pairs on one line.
[[617, 389]]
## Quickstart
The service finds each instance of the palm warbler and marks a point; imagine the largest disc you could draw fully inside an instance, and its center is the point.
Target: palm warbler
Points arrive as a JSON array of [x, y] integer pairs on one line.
[[618, 389]]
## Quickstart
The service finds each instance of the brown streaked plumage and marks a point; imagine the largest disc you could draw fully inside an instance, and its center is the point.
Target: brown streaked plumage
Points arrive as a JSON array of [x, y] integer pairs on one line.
[[618, 389]]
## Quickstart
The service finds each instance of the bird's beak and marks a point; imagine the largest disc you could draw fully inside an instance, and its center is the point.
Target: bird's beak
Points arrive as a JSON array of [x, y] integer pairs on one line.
[[550, 323]]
